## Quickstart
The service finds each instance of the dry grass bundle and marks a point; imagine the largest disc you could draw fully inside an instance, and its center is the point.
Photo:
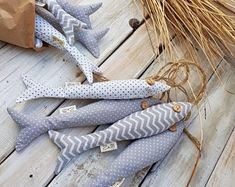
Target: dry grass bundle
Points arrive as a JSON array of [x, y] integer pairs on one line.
[[202, 22]]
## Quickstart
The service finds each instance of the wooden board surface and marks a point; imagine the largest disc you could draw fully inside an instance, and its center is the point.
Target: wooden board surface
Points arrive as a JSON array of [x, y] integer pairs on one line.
[[125, 53]]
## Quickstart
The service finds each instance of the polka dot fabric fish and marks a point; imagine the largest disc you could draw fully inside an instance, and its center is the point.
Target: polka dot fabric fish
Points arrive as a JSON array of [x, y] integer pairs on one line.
[[81, 12], [98, 113], [152, 121], [47, 33], [116, 89], [138, 155], [88, 38]]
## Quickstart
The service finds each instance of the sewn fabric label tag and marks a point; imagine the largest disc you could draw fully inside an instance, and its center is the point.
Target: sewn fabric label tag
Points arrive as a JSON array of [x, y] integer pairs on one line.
[[68, 84], [118, 183], [108, 147], [57, 41], [67, 109]]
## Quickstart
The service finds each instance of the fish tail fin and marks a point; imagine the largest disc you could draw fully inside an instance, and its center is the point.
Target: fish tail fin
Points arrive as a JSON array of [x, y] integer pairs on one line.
[[66, 144], [30, 128], [33, 90]]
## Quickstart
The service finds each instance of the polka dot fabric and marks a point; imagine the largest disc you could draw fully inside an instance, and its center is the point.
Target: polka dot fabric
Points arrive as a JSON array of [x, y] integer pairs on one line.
[[88, 38], [98, 113], [47, 33], [138, 155], [116, 89]]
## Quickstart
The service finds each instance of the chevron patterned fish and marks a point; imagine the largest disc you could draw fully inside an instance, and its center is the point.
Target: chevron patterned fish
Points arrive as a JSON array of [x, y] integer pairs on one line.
[[98, 113], [68, 23], [81, 12], [138, 155], [88, 38], [47, 33], [151, 121], [116, 89]]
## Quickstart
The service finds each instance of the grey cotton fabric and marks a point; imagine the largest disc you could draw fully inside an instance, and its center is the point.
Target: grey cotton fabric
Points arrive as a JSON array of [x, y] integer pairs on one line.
[[98, 113], [116, 89], [47, 33], [148, 122], [138, 155], [66, 21], [88, 38], [81, 12]]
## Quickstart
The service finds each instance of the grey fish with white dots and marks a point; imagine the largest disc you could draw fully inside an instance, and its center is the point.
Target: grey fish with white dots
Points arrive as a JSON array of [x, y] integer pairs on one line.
[[98, 113], [137, 156], [116, 89], [141, 124]]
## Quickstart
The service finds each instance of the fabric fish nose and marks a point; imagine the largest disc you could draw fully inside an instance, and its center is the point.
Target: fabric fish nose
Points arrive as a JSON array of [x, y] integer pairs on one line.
[[116, 89], [148, 122]]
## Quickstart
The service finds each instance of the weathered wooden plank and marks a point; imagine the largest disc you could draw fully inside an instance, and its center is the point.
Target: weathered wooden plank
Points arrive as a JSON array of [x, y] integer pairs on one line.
[[224, 171], [113, 68], [217, 125], [48, 67]]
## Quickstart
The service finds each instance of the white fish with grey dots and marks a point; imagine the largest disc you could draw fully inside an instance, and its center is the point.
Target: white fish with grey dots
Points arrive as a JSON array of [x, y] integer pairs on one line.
[[98, 113], [138, 155], [116, 89], [47, 33]]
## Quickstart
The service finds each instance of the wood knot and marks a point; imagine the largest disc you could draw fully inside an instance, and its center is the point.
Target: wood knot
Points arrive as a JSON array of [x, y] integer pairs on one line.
[[134, 23]]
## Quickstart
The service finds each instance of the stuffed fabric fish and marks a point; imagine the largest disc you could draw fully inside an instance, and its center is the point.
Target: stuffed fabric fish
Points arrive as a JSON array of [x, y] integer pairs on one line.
[[88, 38], [138, 155], [98, 113], [81, 12], [151, 121], [116, 89], [47, 33], [67, 22]]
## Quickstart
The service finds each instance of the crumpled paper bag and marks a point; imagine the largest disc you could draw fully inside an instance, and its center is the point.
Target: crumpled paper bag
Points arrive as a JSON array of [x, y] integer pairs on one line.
[[17, 22]]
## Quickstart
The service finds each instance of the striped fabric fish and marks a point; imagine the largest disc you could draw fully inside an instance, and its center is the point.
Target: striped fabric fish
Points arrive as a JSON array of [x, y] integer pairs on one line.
[[66, 21], [47, 33], [138, 155], [98, 113], [81, 12], [88, 38], [151, 121], [116, 89]]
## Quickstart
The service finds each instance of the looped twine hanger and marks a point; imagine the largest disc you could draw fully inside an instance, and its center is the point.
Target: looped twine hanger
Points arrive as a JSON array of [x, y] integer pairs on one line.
[[176, 75]]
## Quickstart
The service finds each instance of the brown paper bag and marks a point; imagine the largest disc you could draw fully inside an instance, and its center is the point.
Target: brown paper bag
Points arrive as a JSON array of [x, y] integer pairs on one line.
[[17, 22]]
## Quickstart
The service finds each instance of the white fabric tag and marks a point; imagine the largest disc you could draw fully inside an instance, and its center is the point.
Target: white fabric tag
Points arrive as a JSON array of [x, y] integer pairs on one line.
[[108, 147], [118, 183], [68, 109], [68, 84]]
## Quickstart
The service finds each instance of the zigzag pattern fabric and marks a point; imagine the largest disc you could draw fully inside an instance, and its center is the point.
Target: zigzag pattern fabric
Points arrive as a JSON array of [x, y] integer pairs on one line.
[[98, 113], [151, 121], [138, 155], [88, 38], [47, 33], [67, 22], [81, 12], [116, 89]]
